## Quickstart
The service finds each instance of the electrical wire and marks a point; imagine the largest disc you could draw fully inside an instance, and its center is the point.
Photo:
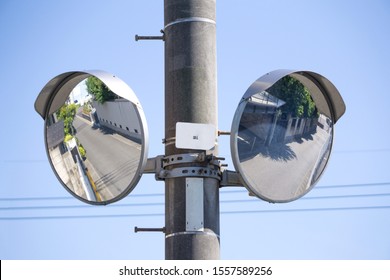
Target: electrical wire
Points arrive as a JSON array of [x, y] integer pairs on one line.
[[353, 196], [223, 213], [78, 206], [67, 197], [309, 209], [317, 197], [384, 150], [161, 204], [162, 194], [81, 216]]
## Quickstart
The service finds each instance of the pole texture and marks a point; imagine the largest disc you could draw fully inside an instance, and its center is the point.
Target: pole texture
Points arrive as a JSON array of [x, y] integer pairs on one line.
[[190, 96]]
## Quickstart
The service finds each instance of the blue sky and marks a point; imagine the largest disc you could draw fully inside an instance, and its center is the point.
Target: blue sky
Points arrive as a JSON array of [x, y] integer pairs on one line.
[[346, 41]]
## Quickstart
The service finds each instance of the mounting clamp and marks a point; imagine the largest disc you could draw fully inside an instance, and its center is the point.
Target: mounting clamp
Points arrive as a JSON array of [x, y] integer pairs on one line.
[[231, 178], [204, 166]]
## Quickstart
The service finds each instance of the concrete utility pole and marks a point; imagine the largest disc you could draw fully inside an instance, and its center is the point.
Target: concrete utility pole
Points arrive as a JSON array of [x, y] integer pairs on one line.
[[190, 166], [191, 202]]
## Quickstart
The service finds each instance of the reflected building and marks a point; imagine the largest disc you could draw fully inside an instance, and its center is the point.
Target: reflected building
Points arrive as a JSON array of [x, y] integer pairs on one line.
[[65, 157], [118, 115], [275, 146], [259, 120], [265, 123]]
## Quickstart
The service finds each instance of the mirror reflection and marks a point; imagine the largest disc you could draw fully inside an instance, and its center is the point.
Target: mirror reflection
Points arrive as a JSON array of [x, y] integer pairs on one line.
[[94, 141], [284, 141]]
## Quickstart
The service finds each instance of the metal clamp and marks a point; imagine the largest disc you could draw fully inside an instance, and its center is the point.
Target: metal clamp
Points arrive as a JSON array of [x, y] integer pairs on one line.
[[154, 165], [231, 178], [169, 141], [190, 19], [202, 172], [210, 169], [192, 158], [183, 158]]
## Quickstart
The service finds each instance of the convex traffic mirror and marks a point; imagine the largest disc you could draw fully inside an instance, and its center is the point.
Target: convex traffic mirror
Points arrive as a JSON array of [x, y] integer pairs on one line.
[[96, 136], [282, 133]]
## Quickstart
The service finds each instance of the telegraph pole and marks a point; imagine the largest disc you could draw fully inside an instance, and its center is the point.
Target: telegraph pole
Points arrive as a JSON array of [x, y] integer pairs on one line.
[[191, 202], [190, 166]]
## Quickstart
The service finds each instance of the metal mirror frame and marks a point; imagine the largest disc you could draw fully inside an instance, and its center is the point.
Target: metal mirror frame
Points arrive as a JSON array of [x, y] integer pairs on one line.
[[57, 90], [323, 86]]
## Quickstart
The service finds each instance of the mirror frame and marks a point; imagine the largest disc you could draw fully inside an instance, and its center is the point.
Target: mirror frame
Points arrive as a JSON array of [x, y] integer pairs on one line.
[[329, 91], [62, 85]]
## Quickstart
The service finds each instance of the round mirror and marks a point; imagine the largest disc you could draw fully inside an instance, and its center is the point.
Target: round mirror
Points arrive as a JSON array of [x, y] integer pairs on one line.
[[282, 134], [95, 134]]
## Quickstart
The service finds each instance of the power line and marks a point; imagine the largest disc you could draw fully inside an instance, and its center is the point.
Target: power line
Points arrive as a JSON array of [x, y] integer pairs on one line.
[[36, 198], [356, 151], [353, 185], [318, 197], [160, 203], [329, 186], [347, 196], [361, 151], [308, 209], [161, 194], [81, 216], [223, 212], [67, 197], [79, 206]]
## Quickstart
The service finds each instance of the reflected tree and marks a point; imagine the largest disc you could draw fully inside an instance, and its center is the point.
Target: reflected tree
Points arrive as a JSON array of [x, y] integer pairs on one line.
[[297, 97], [100, 92], [67, 113]]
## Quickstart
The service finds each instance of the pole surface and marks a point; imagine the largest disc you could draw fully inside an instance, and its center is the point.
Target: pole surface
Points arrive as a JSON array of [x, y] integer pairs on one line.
[[190, 96]]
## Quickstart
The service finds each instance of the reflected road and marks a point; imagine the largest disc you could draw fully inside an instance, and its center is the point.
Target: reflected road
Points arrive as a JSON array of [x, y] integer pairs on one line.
[[112, 159], [283, 179]]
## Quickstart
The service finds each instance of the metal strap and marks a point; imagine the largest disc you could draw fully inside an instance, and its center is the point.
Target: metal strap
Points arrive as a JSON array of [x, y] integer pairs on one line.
[[190, 19], [202, 172], [192, 233], [183, 158]]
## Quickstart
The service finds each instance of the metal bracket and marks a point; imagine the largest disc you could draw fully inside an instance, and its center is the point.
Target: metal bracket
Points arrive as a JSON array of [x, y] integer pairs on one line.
[[158, 166], [202, 172], [220, 132], [212, 170], [154, 165], [137, 229], [231, 178], [137, 37]]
